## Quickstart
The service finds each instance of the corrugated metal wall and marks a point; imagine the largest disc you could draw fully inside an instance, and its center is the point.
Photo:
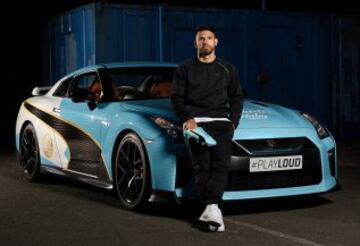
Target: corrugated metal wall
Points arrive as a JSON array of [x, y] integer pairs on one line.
[[127, 33], [348, 89], [282, 58], [285, 58], [72, 42]]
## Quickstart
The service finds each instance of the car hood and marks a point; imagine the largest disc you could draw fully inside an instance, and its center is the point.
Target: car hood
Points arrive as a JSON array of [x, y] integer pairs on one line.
[[156, 107], [259, 114], [255, 114]]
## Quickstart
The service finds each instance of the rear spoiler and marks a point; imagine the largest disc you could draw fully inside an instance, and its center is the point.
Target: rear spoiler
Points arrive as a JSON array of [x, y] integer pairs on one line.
[[38, 91]]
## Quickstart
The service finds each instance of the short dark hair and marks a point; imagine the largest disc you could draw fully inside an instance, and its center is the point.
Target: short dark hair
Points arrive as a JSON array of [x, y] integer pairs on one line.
[[204, 28]]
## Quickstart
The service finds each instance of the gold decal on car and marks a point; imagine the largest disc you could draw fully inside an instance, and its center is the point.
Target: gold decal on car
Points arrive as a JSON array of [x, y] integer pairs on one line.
[[48, 146]]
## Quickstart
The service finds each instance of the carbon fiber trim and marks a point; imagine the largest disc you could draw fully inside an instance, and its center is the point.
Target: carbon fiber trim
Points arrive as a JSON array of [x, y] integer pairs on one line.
[[80, 177], [85, 154]]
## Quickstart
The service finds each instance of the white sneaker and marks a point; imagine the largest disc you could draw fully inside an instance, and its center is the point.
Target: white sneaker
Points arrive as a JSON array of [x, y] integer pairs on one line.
[[213, 216]]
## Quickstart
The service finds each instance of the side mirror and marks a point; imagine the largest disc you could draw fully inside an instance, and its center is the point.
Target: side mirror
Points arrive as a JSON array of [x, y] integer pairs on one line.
[[83, 95], [38, 91], [92, 104]]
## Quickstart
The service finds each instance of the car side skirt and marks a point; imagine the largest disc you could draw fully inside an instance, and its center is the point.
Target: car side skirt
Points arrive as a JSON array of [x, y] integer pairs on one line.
[[83, 177]]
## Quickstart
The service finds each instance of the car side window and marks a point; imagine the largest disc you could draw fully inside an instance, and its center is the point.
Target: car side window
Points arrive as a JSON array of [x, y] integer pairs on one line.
[[88, 82], [85, 81], [62, 90]]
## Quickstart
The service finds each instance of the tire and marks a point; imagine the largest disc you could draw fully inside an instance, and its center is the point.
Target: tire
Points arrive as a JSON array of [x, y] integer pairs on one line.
[[132, 173], [30, 153]]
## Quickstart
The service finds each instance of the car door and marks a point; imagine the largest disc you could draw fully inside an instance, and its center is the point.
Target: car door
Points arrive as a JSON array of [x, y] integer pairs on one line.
[[82, 124]]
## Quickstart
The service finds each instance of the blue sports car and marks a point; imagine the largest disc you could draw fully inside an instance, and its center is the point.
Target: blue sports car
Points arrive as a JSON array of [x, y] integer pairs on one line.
[[111, 125]]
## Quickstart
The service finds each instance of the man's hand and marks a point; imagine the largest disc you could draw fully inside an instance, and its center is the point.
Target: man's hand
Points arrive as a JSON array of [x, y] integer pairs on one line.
[[190, 124]]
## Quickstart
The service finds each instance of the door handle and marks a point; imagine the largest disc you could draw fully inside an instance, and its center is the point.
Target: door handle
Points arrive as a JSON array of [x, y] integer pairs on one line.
[[56, 110]]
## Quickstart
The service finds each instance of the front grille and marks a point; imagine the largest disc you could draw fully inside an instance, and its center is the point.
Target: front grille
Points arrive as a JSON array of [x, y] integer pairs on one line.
[[260, 147], [241, 179]]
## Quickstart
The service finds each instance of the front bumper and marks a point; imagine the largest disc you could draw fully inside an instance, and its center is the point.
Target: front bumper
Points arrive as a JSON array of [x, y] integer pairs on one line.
[[319, 174]]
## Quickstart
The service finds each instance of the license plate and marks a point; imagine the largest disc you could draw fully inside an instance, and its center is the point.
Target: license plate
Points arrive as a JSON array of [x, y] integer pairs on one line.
[[275, 163]]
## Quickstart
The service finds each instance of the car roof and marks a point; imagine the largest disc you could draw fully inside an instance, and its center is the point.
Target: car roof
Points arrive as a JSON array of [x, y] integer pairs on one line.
[[133, 64], [138, 64], [123, 65]]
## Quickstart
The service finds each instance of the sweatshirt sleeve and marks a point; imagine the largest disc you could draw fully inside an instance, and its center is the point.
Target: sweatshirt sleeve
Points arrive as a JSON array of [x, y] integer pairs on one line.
[[236, 97], [177, 94]]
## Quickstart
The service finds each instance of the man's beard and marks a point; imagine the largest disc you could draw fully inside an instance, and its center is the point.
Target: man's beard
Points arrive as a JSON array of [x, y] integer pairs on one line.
[[205, 52]]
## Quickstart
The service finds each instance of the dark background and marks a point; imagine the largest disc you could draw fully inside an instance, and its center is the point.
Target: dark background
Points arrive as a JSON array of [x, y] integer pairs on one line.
[[22, 47]]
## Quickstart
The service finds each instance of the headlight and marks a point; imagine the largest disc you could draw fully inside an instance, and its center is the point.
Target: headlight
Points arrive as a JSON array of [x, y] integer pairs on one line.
[[171, 129], [320, 129]]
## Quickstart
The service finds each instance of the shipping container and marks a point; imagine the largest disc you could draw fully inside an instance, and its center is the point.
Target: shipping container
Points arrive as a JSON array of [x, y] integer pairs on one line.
[[346, 106], [300, 60]]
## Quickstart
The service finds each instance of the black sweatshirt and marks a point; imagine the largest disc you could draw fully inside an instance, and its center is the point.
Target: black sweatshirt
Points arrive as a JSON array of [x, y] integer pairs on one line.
[[207, 90]]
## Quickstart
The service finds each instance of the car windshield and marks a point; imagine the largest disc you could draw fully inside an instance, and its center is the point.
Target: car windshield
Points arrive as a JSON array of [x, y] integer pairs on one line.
[[139, 83]]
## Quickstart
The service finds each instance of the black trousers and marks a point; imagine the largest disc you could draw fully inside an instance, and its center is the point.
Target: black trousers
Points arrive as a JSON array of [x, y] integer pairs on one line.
[[210, 164]]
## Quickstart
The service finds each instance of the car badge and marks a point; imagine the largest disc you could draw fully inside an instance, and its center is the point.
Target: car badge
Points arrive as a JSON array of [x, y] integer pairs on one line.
[[271, 143]]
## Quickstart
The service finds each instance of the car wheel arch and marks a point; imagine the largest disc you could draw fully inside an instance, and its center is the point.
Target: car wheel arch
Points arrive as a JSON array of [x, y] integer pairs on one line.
[[117, 141], [125, 135], [119, 137], [24, 125], [34, 174]]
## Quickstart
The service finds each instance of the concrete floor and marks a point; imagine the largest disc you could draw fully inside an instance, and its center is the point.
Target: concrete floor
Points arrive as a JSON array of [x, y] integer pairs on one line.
[[58, 211]]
